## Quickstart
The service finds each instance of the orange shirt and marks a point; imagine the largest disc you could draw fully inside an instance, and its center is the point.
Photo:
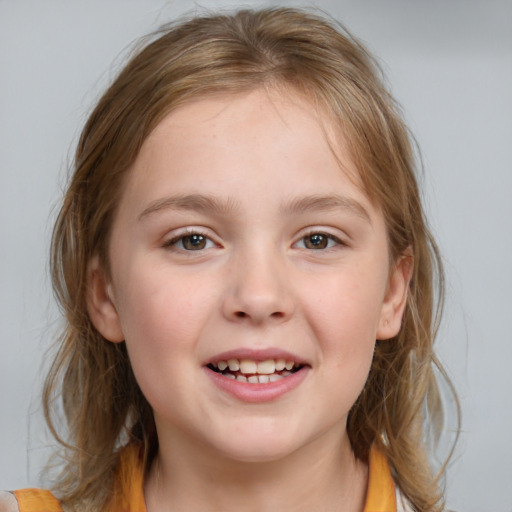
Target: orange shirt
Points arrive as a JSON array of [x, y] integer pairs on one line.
[[129, 497]]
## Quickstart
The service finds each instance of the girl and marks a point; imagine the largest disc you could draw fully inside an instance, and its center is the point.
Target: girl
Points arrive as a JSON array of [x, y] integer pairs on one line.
[[248, 282]]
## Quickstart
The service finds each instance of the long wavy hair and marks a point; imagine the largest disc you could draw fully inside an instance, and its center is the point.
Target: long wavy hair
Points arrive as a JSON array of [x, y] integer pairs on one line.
[[293, 50]]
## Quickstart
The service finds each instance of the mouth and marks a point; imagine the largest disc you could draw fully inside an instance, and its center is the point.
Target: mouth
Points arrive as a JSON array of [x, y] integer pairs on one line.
[[255, 372]]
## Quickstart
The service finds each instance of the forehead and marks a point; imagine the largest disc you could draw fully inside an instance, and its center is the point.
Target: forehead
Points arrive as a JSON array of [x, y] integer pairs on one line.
[[262, 139], [237, 118]]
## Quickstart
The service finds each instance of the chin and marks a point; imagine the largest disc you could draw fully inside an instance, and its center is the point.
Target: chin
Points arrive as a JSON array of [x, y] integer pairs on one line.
[[257, 452], [259, 445]]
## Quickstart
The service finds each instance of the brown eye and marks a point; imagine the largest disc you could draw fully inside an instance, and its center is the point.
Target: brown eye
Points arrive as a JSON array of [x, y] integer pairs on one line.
[[319, 241], [194, 242], [316, 241], [191, 242]]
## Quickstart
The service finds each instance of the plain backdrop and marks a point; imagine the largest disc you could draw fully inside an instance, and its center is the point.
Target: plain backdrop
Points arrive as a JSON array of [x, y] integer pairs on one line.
[[449, 62]]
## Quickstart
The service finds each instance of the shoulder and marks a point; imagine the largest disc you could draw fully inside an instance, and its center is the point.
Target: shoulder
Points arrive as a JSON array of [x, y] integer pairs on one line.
[[8, 502], [29, 500]]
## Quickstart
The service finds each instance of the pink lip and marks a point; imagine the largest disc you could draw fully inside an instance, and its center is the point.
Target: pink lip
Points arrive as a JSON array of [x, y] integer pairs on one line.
[[255, 393], [256, 355]]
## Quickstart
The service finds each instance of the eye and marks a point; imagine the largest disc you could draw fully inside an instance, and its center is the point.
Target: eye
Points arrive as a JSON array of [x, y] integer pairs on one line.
[[190, 242], [319, 241]]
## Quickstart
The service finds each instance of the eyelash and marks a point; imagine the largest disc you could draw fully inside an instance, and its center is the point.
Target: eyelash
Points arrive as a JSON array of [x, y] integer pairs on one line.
[[173, 242], [330, 238]]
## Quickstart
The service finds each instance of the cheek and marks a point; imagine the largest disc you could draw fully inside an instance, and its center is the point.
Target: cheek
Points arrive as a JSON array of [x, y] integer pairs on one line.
[[344, 316], [346, 310], [162, 316]]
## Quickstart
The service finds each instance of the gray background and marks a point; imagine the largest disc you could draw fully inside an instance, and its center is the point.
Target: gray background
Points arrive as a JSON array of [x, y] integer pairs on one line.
[[450, 65]]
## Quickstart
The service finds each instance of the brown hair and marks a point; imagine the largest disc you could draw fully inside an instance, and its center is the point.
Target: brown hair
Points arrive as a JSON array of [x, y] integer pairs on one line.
[[287, 48]]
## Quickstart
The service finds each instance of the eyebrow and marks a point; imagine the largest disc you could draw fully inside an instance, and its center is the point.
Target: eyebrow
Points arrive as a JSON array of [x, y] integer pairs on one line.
[[210, 204], [327, 203], [193, 202]]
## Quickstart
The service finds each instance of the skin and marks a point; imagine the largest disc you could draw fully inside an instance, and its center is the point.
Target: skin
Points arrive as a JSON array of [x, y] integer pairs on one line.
[[254, 283]]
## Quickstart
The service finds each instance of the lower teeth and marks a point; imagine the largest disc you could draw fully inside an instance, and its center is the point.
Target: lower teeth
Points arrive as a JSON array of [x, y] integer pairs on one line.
[[257, 379]]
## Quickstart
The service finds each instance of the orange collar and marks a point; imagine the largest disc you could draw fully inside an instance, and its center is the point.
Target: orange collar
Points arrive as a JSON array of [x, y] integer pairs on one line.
[[128, 493], [129, 496], [381, 488]]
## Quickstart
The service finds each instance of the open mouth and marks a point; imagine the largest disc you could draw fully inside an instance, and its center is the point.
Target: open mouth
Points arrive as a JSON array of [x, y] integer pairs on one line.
[[255, 372]]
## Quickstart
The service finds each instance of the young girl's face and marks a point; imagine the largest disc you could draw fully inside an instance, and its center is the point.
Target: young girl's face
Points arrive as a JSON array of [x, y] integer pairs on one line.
[[239, 240]]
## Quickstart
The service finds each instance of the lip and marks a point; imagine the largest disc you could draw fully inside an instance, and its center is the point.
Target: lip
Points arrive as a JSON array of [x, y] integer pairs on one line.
[[257, 393], [256, 355]]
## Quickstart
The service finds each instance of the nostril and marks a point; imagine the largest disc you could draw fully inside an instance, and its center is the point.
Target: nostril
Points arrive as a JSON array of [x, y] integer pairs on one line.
[[276, 314]]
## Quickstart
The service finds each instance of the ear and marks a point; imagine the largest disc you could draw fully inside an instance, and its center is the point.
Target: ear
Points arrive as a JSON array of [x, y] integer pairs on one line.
[[395, 299], [100, 303]]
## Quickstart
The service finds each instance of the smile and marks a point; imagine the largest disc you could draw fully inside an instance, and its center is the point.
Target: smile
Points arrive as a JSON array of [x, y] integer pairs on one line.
[[255, 372], [257, 376]]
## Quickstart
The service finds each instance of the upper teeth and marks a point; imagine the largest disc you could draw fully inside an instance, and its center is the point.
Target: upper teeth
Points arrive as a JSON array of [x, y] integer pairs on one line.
[[249, 366]]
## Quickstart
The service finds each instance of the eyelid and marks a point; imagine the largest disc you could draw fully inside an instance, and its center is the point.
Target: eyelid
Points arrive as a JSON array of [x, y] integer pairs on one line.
[[179, 234], [340, 240]]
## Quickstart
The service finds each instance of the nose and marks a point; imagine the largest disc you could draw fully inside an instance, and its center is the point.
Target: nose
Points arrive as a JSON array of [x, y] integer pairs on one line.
[[258, 291]]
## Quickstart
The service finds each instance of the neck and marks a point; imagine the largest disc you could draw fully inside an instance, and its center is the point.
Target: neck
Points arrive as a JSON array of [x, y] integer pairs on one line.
[[320, 476]]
